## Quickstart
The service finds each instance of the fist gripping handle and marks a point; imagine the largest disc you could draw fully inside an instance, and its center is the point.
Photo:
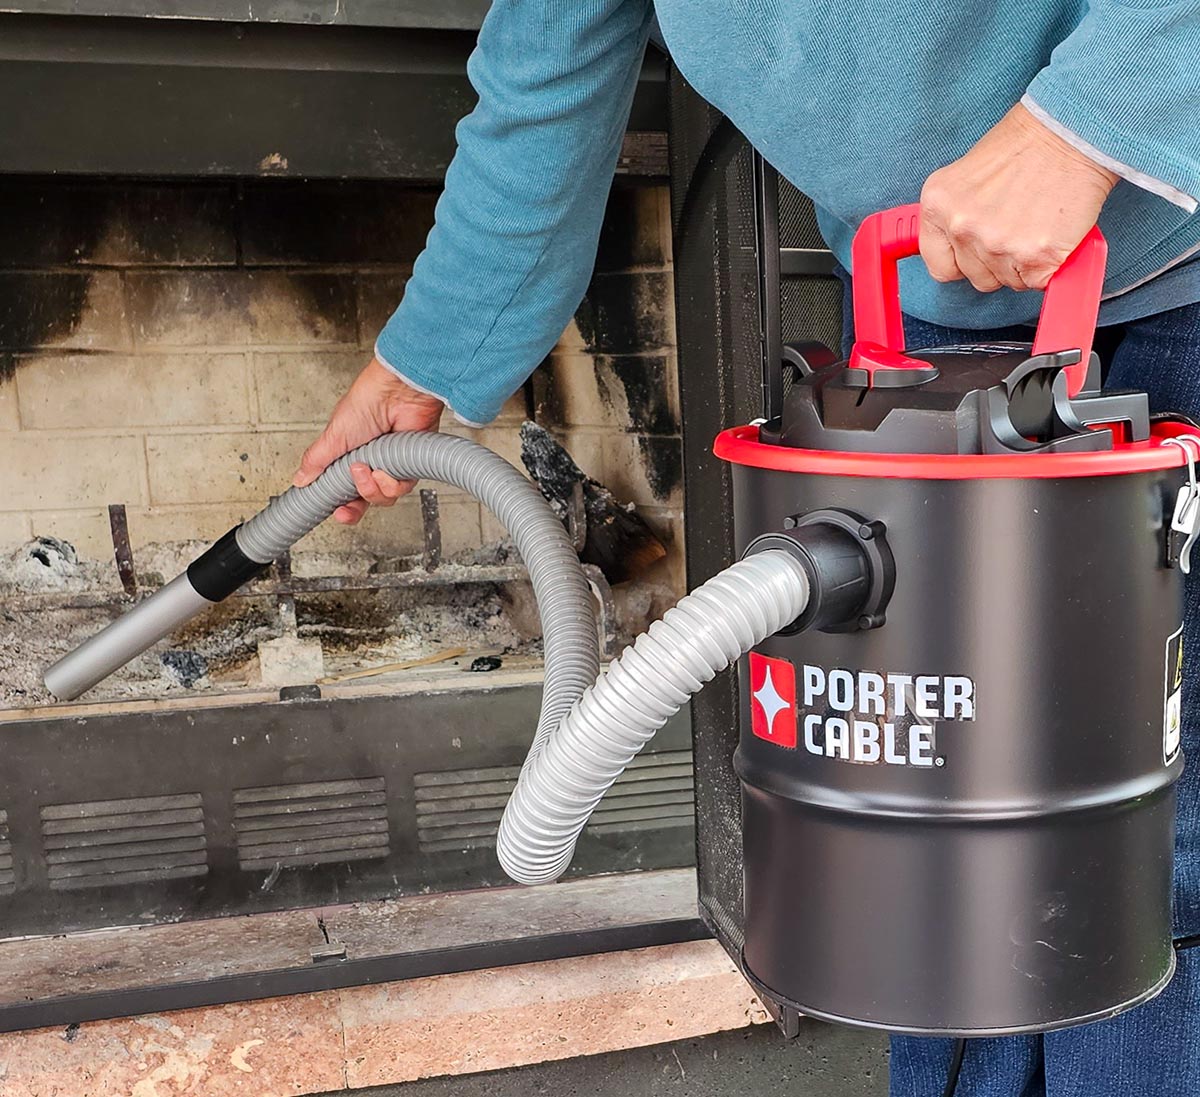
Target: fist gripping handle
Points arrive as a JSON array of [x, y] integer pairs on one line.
[[1069, 307]]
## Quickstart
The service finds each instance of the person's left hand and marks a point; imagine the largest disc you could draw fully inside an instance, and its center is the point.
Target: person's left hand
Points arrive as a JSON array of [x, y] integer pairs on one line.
[[1010, 211]]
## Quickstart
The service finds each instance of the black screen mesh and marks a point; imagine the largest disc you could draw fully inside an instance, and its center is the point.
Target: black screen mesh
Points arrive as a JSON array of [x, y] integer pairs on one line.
[[721, 373]]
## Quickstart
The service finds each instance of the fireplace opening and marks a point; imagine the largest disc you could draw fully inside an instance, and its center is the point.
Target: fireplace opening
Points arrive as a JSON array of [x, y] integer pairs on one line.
[[168, 349], [349, 726]]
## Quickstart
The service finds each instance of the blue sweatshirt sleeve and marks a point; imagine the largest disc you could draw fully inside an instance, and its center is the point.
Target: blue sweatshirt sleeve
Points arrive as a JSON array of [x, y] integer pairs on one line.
[[516, 228], [1126, 82]]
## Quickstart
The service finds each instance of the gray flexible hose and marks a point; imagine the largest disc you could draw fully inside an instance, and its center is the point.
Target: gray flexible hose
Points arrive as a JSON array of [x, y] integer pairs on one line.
[[570, 643], [584, 740], [585, 736], [710, 628]]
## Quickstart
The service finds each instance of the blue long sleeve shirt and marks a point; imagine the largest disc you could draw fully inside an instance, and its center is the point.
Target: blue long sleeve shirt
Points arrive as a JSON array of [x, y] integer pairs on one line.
[[856, 104]]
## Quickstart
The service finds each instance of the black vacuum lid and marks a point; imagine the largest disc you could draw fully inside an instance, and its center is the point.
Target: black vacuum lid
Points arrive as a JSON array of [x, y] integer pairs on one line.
[[987, 398]]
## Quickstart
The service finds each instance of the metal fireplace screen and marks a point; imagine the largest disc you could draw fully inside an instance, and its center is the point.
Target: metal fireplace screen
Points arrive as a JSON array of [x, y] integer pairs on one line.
[[727, 262]]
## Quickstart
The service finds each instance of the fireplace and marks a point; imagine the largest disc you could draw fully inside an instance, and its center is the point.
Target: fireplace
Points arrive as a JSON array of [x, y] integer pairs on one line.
[[189, 267]]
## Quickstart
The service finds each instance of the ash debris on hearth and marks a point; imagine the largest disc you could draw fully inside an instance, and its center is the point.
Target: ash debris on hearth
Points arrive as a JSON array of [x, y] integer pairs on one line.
[[45, 563], [186, 667], [51, 600]]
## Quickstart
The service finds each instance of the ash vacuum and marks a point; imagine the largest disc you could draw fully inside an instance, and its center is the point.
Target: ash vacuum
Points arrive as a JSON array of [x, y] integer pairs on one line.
[[958, 803], [960, 594]]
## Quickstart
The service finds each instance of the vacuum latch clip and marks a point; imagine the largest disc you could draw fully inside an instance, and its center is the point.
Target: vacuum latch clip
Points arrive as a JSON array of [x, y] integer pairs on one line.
[[1186, 517]]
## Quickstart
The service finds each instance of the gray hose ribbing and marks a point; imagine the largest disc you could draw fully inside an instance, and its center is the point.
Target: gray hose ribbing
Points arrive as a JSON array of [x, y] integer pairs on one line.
[[584, 740], [709, 629], [585, 736], [572, 655]]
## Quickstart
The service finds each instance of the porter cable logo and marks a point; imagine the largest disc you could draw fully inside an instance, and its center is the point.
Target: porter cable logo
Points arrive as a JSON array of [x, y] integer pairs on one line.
[[856, 716]]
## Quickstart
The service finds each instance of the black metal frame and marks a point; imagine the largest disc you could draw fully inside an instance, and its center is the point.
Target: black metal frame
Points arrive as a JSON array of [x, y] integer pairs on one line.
[[776, 264], [116, 87], [732, 327], [336, 974], [198, 829], [766, 231], [453, 14], [374, 98]]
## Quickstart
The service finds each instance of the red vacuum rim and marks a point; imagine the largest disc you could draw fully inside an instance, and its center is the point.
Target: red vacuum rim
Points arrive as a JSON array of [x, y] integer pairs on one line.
[[741, 446]]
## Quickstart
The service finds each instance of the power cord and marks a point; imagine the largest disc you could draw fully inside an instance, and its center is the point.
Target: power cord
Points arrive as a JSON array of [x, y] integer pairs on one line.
[[960, 1045], [956, 1061]]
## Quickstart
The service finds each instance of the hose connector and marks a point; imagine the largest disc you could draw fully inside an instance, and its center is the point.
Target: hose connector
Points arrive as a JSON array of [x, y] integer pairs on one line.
[[850, 567], [224, 568]]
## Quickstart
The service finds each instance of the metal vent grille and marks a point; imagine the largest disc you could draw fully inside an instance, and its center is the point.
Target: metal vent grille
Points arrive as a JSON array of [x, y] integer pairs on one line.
[[461, 809], [8, 880], [101, 843], [311, 824]]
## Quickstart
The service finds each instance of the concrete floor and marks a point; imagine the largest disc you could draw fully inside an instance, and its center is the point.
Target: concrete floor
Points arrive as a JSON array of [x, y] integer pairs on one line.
[[824, 1061]]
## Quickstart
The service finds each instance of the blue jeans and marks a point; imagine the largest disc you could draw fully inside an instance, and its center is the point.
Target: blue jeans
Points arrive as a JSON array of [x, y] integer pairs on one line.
[[1154, 1050]]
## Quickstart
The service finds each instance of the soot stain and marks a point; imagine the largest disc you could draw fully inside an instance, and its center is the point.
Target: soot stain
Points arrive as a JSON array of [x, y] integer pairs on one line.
[[663, 459], [44, 225], [624, 313], [644, 382], [38, 309]]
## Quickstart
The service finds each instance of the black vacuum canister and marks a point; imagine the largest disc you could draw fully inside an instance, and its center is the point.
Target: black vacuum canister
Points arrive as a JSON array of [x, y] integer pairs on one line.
[[959, 800]]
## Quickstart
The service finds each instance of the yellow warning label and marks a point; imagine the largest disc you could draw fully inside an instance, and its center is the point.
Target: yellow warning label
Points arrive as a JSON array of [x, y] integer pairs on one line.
[[1173, 706]]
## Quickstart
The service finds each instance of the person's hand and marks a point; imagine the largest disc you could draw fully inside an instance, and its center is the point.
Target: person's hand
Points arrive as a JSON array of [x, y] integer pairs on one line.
[[377, 403], [1012, 210]]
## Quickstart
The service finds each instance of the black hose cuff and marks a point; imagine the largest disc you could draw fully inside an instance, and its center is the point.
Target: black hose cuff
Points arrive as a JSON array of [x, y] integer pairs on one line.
[[222, 569], [850, 569]]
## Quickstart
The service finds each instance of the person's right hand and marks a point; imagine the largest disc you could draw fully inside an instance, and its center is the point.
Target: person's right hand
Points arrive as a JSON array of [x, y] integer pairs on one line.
[[377, 403]]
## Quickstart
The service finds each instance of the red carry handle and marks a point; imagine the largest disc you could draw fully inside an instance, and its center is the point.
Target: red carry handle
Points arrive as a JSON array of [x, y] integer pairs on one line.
[[1069, 307]]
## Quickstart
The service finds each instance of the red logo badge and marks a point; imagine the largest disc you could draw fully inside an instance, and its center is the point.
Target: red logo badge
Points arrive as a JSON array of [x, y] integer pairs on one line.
[[773, 700]]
